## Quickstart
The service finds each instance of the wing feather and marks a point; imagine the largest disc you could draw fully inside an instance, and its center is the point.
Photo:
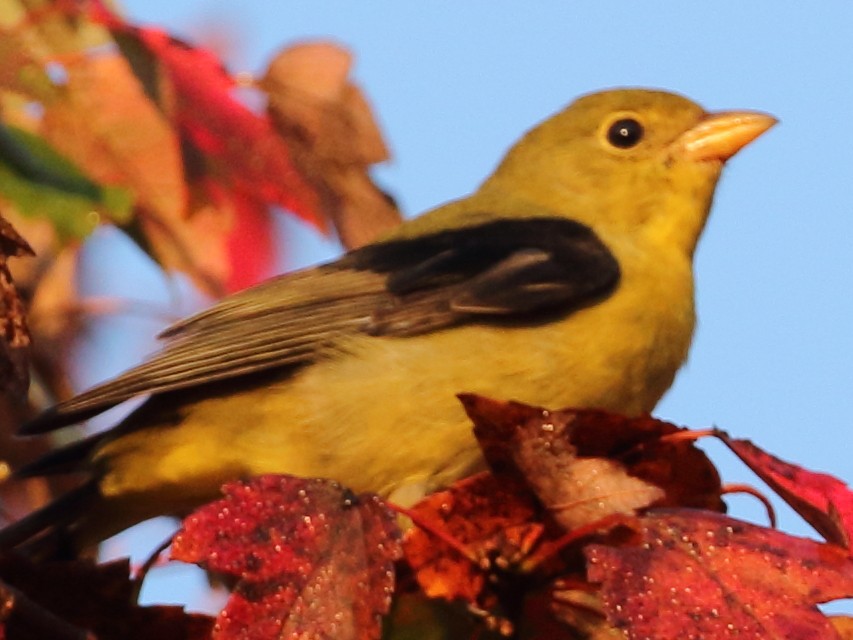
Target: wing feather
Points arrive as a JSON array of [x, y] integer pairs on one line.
[[484, 273]]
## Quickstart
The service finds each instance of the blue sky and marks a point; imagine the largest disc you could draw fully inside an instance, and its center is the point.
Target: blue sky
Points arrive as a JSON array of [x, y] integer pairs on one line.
[[454, 83]]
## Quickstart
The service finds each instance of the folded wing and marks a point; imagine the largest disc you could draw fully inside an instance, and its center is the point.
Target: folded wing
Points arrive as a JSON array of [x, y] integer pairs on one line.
[[492, 272]]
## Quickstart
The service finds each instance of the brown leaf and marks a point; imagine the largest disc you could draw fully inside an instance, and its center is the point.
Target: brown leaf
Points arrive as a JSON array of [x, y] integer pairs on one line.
[[330, 130], [553, 612], [586, 465], [718, 577], [57, 318], [15, 342]]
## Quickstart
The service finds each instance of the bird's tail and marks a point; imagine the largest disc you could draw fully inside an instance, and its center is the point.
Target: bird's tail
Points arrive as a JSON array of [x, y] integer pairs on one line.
[[46, 532]]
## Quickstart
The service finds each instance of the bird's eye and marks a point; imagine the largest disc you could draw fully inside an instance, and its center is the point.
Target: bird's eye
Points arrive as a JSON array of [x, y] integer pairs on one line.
[[625, 133]]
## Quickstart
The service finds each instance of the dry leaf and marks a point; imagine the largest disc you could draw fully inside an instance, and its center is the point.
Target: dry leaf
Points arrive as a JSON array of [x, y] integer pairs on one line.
[[331, 132]]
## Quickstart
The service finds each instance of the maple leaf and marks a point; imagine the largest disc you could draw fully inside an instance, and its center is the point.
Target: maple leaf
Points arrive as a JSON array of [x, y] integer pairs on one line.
[[585, 465], [200, 98], [824, 501], [717, 577], [312, 559], [101, 601], [491, 519], [489, 542]]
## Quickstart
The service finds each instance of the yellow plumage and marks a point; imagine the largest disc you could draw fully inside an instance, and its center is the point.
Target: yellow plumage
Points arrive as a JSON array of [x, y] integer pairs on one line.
[[375, 407]]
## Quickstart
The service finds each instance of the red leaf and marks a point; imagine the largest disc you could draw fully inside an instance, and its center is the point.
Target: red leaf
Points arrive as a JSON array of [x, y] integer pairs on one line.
[[233, 157], [585, 465], [250, 243], [717, 577], [243, 143], [824, 501], [314, 561]]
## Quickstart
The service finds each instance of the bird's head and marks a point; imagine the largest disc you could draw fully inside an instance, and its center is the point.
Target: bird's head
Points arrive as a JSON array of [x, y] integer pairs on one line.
[[629, 161]]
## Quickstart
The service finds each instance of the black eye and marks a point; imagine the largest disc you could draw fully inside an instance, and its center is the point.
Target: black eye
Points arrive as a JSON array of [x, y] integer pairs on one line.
[[625, 133]]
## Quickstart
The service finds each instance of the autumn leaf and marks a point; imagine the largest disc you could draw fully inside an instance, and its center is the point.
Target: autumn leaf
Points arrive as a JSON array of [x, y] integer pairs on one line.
[[313, 560], [14, 334], [570, 605], [234, 162], [493, 519], [824, 501], [585, 465], [251, 242], [330, 130], [41, 182], [844, 626], [240, 144], [22, 70], [102, 120], [718, 577], [101, 601], [165, 123], [485, 536]]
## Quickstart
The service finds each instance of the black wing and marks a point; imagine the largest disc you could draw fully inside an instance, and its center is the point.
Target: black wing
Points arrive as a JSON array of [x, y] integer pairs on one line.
[[504, 269]]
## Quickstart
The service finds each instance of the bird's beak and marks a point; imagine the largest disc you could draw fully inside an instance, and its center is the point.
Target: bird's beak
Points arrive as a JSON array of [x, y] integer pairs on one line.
[[718, 136]]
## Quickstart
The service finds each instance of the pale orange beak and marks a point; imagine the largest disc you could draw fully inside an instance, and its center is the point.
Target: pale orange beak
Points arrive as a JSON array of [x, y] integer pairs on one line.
[[718, 136]]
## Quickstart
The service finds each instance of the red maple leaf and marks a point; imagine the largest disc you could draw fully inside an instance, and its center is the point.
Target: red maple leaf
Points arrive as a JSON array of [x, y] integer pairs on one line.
[[697, 574], [823, 501], [313, 560]]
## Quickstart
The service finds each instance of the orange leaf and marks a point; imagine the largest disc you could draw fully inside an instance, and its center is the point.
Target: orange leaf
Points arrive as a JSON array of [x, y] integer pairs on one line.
[[490, 517], [240, 146], [844, 626], [104, 122], [236, 164]]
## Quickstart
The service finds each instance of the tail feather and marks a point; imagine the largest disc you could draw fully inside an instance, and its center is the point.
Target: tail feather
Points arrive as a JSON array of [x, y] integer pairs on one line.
[[55, 418], [41, 533], [67, 459]]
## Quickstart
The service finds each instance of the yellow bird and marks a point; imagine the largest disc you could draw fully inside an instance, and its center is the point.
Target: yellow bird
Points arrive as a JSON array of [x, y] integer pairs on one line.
[[564, 280]]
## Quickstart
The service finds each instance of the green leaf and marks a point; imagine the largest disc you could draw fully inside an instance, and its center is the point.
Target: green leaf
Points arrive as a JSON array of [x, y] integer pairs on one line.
[[43, 183]]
